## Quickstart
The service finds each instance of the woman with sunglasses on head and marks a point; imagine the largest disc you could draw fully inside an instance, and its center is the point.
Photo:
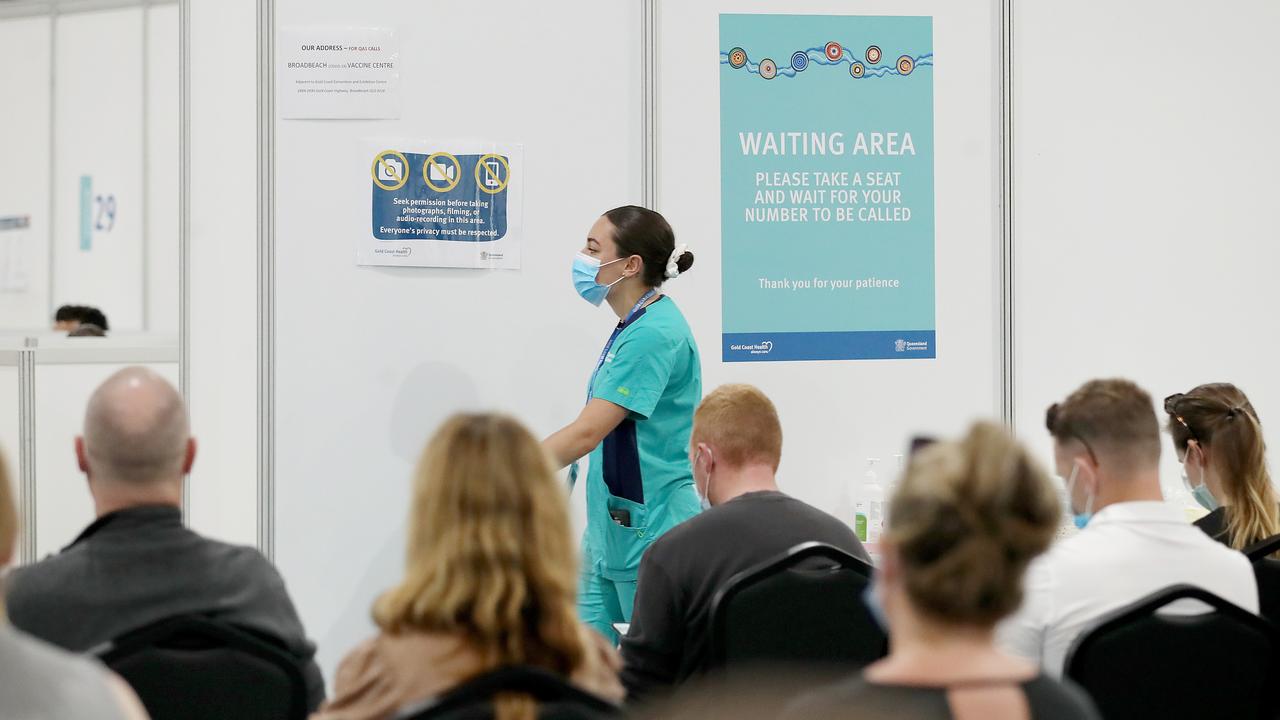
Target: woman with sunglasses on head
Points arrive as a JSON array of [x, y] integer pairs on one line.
[[1218, 438]]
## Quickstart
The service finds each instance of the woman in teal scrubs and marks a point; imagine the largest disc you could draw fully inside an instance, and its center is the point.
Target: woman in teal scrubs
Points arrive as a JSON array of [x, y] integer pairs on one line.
[[639, 411]]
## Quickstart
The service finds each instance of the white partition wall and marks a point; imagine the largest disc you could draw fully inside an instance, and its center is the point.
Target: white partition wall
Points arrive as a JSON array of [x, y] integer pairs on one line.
[[162, 164], [222, 266], [1146, 236], [90, 140], [99, 199], [25, 171], [837, 414], [370, 360]]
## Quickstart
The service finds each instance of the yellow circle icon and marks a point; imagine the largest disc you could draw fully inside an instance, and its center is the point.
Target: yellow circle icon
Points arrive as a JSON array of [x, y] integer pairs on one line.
[[395, 174], [450, 179], [499, 183]]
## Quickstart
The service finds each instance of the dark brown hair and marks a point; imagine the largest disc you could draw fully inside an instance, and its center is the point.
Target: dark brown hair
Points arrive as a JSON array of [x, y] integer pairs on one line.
[[1221, 419], [1112, 417], [966, 519], [641, 231]]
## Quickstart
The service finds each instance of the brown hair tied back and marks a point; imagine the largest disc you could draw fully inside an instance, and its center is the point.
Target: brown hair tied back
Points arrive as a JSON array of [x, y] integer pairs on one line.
[[1222, 421], [967, 518]]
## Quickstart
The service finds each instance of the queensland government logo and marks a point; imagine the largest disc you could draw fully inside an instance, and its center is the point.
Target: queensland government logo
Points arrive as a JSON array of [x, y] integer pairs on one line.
[[761, 348], [901, 345]]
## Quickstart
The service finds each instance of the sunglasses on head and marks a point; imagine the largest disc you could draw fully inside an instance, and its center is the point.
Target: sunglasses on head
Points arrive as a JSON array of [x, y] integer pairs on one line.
[[1171, 407]]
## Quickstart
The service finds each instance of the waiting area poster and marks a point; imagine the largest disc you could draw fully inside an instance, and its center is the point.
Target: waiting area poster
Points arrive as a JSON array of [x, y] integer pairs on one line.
[[827, 187]]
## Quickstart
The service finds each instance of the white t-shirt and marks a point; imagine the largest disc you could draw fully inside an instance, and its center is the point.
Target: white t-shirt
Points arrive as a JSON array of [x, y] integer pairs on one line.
[[41, 682], [1126, 552]]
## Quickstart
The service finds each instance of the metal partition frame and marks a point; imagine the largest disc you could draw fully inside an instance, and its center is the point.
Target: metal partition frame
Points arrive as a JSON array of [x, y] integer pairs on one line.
[[1008, 356], [266, 278]]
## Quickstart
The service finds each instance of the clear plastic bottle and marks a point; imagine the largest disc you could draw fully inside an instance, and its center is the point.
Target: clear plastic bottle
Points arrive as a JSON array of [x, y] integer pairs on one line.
[[900, 465], [861, 512], [871, 496]]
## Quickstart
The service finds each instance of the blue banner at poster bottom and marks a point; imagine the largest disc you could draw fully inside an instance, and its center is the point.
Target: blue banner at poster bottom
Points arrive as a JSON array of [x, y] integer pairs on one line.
[[851, 345]]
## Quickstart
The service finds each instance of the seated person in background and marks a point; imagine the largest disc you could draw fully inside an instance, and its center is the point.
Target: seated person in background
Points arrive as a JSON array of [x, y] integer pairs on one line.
[[1132, 543], [1218, 438], [87, 330], [93, 316], [41, 682], [735, 446], [965, 521], [68, 317], [490, 580], [136, 564]]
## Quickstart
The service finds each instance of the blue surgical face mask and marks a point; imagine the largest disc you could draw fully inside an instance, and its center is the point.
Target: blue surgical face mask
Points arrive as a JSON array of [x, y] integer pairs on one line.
[[1200, 492], [1079, 518], [703, 500], [585, 269], [871, 598]]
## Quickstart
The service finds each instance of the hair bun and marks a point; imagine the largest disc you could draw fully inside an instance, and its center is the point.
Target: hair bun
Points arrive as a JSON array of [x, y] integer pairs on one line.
[[967, 518], [676, 261]]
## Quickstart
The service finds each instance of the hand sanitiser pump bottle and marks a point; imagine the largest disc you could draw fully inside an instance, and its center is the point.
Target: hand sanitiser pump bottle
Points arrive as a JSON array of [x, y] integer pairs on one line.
[[872, 498]]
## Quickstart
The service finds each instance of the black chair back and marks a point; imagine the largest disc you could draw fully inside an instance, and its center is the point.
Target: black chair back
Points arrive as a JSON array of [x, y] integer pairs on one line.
[[1262, 548], [194, 668], [1138, 663], [555, 697], [1267, 571], [804, 608]]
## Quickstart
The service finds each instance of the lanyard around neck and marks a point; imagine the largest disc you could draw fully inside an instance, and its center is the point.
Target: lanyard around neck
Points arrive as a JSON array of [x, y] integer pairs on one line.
[[614, 336]]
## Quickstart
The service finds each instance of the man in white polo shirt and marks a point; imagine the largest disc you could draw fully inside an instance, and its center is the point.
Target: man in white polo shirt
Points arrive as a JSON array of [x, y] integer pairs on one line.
[[1132, 543]]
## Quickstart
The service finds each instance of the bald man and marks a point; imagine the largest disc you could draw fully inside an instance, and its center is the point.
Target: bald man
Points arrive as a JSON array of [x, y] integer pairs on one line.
[[137, 563]]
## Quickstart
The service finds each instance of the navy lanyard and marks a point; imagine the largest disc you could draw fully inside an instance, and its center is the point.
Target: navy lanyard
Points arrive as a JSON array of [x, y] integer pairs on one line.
[[591, 385]]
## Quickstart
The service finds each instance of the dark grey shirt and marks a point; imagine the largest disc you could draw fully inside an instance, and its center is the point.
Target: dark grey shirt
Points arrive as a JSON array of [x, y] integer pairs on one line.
[[670, 633], [858, 699], [139, 565]]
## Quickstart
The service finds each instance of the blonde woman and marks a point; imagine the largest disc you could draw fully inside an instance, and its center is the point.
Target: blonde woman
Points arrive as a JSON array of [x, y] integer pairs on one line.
[[1218, 438], [966, 520], [489, 581]]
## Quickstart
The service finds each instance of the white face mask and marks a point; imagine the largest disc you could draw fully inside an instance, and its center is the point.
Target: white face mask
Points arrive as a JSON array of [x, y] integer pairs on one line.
[[703, 500]]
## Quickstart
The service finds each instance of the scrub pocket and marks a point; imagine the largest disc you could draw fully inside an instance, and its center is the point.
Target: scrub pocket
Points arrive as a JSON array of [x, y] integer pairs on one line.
[[623, 546]]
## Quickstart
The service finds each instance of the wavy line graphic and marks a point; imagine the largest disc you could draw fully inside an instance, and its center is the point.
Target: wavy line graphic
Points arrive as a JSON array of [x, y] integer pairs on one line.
[[818, 56]]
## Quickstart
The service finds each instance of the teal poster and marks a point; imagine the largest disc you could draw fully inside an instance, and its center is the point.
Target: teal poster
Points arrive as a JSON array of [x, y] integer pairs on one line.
[[826, 161]]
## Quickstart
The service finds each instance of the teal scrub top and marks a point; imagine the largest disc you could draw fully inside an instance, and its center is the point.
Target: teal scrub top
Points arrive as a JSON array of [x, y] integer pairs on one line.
[[642, 467]]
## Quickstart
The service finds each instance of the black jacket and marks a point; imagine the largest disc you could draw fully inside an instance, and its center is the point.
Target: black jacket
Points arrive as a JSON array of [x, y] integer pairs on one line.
[[135, 566]]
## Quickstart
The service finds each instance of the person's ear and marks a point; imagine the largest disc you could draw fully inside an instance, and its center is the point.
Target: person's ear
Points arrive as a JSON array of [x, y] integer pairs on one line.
[[633, 266], [190, 458], [82, 456], [1089, 475], [1196, 454]]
